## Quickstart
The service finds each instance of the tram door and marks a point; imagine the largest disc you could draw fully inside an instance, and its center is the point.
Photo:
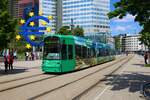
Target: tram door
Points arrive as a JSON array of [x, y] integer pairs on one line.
[[68, 56]]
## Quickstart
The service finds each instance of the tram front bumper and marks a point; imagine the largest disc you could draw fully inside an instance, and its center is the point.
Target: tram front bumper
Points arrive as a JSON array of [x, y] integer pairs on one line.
[[51, 66]]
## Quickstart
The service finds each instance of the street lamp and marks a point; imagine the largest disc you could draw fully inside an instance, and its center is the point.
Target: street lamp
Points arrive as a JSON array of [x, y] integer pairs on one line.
[[72, 25]]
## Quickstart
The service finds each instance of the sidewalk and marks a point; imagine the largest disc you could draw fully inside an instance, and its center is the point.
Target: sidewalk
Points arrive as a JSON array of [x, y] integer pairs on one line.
[[25, 64], [126, 84], [31, 64]]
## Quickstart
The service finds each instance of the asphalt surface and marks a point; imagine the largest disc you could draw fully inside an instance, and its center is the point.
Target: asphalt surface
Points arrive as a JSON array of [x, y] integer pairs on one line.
[[27, 81]]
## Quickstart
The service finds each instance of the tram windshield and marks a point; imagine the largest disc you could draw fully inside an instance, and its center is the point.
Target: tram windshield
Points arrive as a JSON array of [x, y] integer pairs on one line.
[[51, 48]]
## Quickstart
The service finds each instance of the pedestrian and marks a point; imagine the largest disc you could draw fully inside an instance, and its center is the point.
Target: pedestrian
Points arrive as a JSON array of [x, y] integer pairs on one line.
[[15, 54], [32, 55], [145, 57], [26, 56], [6, 63], [38, 55], [126, 53], [10, 60]]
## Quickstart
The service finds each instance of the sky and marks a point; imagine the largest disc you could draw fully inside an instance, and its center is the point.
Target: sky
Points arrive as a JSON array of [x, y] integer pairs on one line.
[[125, 25]]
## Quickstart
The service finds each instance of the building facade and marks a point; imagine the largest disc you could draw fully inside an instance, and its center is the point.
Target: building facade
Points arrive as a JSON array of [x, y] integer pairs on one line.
[[25, 6], [91, 15], [48, 8], [13, 8], [131, 43], [21, 8]]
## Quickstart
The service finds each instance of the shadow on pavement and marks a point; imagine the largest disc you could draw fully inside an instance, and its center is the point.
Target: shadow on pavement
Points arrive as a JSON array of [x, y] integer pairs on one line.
[[14, 71], [132, 82], [141, 65]]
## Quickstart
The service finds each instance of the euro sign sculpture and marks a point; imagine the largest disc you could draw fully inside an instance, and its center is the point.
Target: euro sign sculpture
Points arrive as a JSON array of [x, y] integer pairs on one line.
[[27, 30]]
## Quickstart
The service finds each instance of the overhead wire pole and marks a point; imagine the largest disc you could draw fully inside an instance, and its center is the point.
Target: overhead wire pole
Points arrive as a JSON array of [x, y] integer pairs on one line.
[[72, 25]]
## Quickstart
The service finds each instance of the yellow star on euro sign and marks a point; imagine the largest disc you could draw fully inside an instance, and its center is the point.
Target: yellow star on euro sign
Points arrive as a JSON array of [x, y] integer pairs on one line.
[[22, 21], [28, 46], [31, 14], [48, 29], [44, 23], [32, 23], [50, 17], [18, 37], [32, 37]]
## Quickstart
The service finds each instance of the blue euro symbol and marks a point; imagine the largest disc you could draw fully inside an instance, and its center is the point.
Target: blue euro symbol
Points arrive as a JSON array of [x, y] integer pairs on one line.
[[26, 30]]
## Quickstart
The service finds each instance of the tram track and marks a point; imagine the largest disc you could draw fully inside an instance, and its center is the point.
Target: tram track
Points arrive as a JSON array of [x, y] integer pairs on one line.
[[48, 78], [32, 82], [12, 80], [59, 87], [22, 78], [100, 81]]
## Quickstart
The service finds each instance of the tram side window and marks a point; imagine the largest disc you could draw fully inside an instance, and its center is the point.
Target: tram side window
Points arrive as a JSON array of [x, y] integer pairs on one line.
[[64, 52], [102, 52], [70, 51], [84, 53], [89, 53], [107, 52], [78, 51], [93, 52]]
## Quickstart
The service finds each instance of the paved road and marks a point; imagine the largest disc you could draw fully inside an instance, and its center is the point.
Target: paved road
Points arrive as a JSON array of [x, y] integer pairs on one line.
[[125, 84], [33, 84]]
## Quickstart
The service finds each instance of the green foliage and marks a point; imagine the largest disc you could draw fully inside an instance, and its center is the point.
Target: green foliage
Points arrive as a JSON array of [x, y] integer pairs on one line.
[[145, 39], [138, 8], [147, 65], [65, 30], [7, 25], [78, 31], [117, 43]]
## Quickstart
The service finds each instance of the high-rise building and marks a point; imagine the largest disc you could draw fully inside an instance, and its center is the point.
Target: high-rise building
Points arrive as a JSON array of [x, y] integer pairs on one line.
[[91, 15], [13, 8], [48, 8], [20, 8], [25, 6]]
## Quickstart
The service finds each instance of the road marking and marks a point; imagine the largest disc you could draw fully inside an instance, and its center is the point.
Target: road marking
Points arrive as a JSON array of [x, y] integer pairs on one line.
[[109, 86], [101, 93]]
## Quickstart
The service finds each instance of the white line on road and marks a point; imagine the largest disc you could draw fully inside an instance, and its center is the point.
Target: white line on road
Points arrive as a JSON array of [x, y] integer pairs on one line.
[[97, 97]]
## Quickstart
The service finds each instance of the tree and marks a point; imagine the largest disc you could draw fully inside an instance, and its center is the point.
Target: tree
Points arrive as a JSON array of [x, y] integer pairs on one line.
[[78, 31], [7, 25], [145, 39], [138, 8], [64, 30], [117, 43]]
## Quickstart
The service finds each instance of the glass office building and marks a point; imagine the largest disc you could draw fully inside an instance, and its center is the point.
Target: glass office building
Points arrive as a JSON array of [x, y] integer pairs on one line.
[[48, 8], [89, 14], [52, 8]]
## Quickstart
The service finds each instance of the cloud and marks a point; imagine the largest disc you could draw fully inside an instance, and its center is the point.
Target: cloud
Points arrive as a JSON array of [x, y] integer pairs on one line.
[[120, 28], [128, 18]]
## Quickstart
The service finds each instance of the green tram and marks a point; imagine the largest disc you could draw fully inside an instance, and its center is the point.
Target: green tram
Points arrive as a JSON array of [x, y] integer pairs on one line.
[[65, 53]]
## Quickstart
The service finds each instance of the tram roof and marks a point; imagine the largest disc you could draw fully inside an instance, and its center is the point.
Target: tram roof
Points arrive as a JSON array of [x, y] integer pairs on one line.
[[83, 41]]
